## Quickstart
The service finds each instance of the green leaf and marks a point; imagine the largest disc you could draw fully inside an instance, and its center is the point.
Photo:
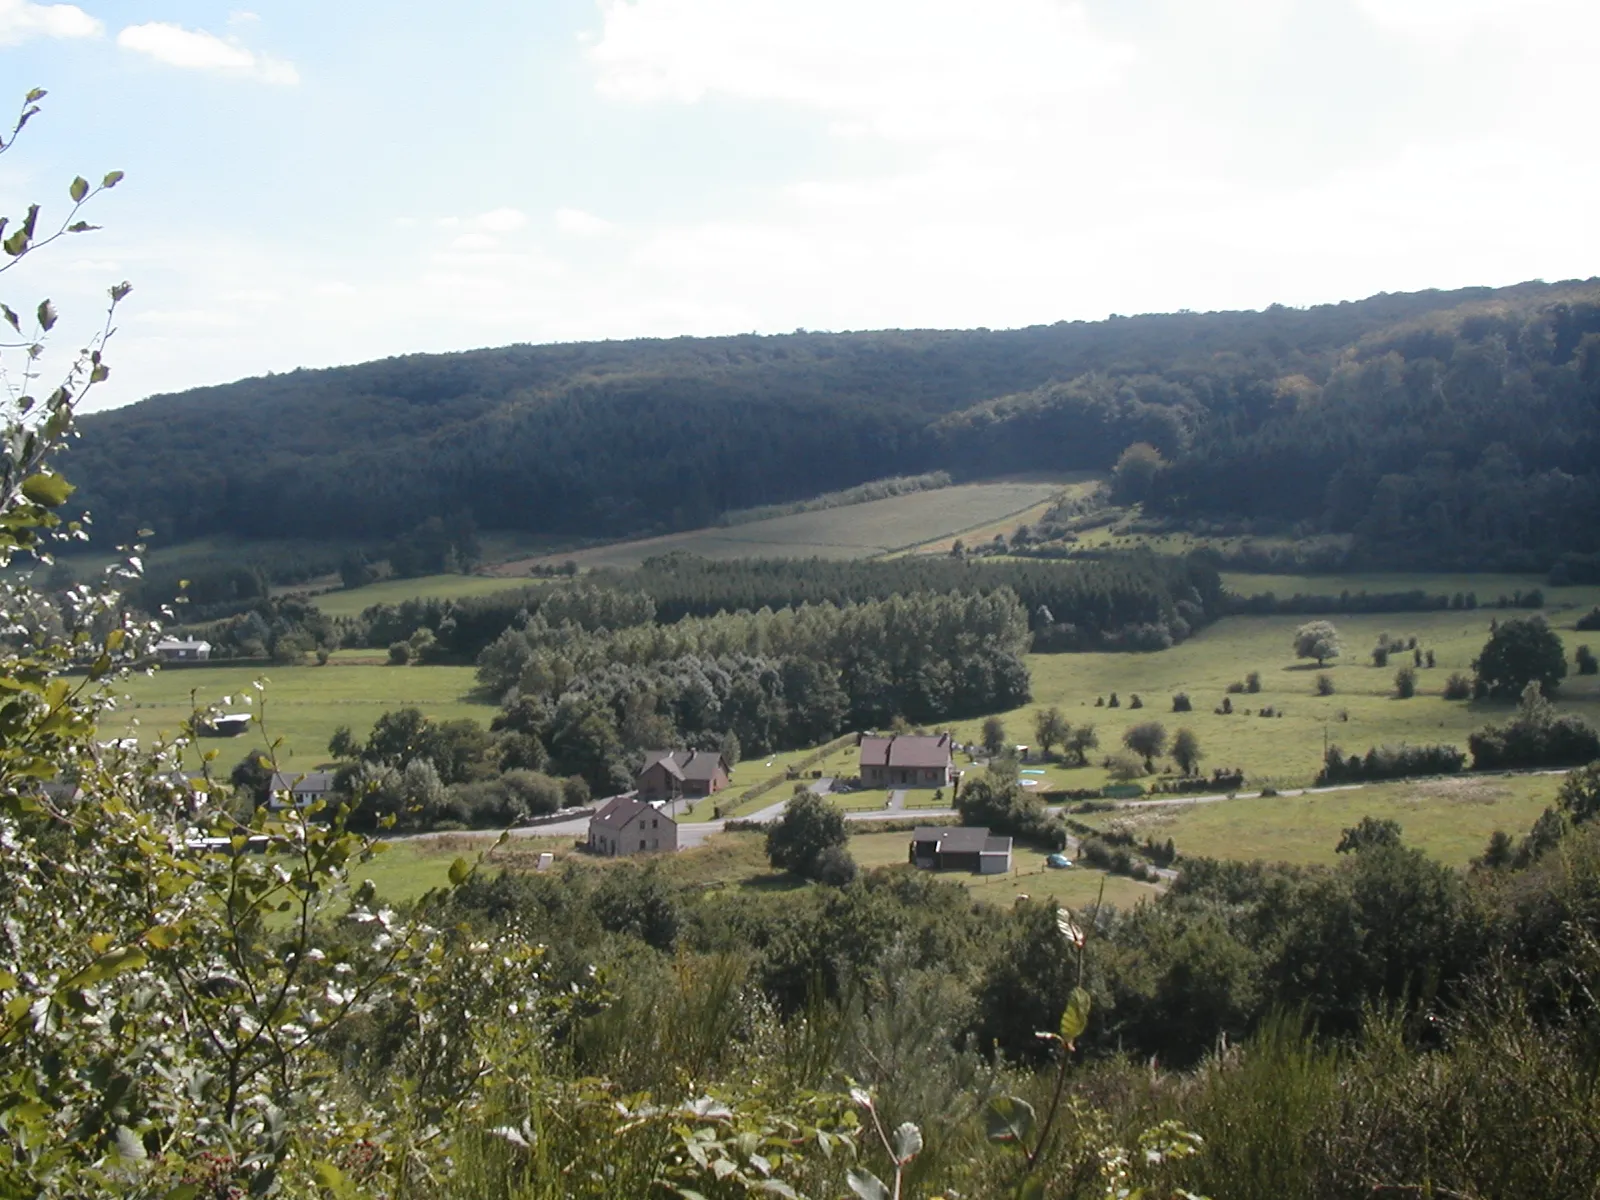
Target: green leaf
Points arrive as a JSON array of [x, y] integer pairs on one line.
[[121, 290], [1076, 1017], [11, 317], [79, 188], [459, 870], [329, 1176], [47, 489], [184, 1191], [162, 937], [866, 1185], [129, 1147], [34, 95], [16, 243], [907, 1142], [47, 315], [1031, 1188], [1009, 1119], [112, 179]]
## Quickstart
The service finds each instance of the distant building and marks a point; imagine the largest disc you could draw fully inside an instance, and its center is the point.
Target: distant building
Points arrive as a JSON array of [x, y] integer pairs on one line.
[[671, 774], [960, 848], [301, 788], [182, 650], [906, 760], [629, 826]]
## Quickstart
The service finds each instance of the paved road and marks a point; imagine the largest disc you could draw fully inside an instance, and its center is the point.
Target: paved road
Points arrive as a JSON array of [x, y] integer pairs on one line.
[[897, 801]]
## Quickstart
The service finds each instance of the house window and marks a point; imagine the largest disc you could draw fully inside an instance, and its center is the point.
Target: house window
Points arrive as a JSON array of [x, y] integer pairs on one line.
[[641, 843]]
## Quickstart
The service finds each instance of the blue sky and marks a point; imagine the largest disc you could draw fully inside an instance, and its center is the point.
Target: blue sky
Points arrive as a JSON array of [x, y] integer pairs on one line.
[[319, 183]]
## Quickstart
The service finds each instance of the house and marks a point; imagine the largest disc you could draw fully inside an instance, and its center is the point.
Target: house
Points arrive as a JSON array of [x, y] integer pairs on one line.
[[960, 848], [906, 760], [171, 649], [629, 826], [300, 787], [669, 774], [224, 725]]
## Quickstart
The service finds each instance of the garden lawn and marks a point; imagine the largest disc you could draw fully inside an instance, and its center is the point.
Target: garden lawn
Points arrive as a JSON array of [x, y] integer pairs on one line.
[[1450, 818]]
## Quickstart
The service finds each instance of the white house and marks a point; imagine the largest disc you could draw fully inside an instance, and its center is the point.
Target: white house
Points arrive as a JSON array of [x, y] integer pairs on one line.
[[170, 649]]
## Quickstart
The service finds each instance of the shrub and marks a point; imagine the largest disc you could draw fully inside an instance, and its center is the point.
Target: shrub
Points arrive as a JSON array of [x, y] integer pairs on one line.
[[399, 653], [1587, 664], [1113, 702], [1518, 651], [1324, 684], [1458, 687], [1252, 682], [1405, 683], [1135, 702], [1181, 703], [1590, 620], [835, 867], [1535, 737], [575, 791], [1124, 768], [1390, 762], [1380, 656], [1225, 708], [1236, 688]]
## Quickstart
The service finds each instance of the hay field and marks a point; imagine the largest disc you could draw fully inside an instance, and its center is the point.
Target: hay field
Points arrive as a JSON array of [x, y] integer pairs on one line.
[[856, 531]]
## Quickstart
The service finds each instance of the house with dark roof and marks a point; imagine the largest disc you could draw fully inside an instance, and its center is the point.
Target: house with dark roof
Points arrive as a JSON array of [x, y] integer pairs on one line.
[[629, 826], [671, 774], [906, 760], [960, 848]]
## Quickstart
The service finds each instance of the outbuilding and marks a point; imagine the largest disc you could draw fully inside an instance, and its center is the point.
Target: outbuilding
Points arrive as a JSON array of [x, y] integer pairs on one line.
[[960, 848]]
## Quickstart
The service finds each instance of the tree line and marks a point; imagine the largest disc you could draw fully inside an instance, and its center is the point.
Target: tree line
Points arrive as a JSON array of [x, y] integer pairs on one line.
[[1270, 421]]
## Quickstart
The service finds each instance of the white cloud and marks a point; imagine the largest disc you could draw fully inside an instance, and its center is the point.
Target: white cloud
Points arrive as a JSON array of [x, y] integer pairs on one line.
[[474, 241], [582, 224], [502, 220], [20, 21], [902, 68], [197, 50]]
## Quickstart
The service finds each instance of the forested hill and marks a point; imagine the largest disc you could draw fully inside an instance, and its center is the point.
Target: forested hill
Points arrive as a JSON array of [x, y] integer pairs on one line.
[[1426, 402]]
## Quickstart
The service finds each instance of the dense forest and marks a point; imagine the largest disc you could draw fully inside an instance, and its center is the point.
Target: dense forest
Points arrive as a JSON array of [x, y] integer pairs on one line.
[[1457, 428]]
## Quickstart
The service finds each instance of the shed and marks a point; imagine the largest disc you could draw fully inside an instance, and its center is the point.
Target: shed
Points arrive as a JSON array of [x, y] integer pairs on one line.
[[960, 848]]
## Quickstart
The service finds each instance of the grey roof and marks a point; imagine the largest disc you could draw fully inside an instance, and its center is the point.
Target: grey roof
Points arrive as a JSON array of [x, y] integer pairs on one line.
[[301, 781], [621, 812], [954, 839], [906, 750], [687, 764], [172, 643]]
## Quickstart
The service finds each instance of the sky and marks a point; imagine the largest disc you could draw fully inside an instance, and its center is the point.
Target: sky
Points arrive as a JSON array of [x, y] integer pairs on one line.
[[311, 183]]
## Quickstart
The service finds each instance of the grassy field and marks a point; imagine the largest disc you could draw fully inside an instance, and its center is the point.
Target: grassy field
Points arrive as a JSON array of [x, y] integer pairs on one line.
[[351, 603], [303, 705], [855, 531], [1449, 818], [1287, 750]]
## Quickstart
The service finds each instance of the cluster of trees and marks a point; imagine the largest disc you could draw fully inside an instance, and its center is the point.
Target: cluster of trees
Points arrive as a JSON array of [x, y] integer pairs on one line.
[[1125, 600], [772, 680], [1389, 762]]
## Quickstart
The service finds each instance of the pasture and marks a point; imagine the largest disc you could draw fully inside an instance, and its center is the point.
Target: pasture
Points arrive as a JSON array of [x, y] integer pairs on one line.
[[302, 705], [877, 527], [1450, 818], [343, 602], [1286, 751]]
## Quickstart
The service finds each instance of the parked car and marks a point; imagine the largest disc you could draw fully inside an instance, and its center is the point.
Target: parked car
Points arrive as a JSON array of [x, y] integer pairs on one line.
[[1058, 861]]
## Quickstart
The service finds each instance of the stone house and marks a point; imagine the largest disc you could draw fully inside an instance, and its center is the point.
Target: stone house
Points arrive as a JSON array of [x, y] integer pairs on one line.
[[629, 826]]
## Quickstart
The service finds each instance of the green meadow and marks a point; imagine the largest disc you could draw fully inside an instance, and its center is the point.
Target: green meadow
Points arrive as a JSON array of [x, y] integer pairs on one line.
[[1451, 818], [1285, 751], [302, 705], [352, 602]]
